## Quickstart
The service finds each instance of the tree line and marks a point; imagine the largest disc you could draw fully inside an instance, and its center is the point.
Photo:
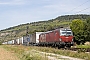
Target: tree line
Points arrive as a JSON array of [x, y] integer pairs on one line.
[[81, 30], [81, 27]]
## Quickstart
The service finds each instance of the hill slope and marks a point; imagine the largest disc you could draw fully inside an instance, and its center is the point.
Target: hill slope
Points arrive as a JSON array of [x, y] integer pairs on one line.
[[23, 29]]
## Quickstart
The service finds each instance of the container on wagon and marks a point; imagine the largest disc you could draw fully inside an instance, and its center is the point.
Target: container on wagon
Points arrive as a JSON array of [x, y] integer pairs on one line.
[[21, 40], [17, 41], [10, 42], [4, 43], [34, 38], [26, 40]]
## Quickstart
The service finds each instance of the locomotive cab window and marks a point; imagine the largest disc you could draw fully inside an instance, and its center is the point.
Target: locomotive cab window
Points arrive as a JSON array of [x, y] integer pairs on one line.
[[66, 32]]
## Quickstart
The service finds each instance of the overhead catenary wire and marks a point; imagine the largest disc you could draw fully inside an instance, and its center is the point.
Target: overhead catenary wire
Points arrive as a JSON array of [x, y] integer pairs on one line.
[[82, 10], [78, 7]]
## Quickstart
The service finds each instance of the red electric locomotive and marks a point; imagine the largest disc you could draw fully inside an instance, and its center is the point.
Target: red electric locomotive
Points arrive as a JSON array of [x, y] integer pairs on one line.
[[58, 38]]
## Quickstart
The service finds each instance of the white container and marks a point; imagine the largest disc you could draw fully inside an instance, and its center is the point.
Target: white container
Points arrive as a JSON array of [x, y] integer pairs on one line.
[[21, 40], [17, 41], [10, 42], [34, 38]]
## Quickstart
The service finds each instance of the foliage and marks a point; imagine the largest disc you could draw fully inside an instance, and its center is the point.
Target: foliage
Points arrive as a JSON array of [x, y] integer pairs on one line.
[[72, 17], [88, 28], [81, 30], [77, 27]]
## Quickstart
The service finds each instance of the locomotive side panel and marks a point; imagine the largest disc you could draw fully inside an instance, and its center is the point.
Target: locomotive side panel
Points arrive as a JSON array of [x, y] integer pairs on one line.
[[47, 38], [52, 36], [42, 38], [56, 36]]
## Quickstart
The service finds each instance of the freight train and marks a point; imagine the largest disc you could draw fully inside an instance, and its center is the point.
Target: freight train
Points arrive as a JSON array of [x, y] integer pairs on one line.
[[57, 38]]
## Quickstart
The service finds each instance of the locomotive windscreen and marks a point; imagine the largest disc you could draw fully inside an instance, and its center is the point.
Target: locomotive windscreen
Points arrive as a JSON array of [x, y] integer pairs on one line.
[[66, 32]]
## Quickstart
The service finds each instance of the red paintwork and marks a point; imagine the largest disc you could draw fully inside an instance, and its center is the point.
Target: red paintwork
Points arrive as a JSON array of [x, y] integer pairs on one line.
[[66, 38], [51, 34], [47, 37], [54, 36]]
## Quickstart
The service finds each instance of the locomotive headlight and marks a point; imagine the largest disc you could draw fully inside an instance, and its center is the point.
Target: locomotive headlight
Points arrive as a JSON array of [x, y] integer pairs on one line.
[[60, 39]]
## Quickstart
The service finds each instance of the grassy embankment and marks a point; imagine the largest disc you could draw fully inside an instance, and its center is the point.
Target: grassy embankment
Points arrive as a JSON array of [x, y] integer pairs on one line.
[[83, 46], [27, 53], [24, 53]]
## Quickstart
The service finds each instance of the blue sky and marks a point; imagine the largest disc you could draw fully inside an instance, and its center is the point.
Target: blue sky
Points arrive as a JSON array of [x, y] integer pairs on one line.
[[15, 12]]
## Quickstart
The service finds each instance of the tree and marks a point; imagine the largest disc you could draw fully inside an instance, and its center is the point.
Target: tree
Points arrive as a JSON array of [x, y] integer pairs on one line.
[[50, 27], [88, 28], [77, 27]]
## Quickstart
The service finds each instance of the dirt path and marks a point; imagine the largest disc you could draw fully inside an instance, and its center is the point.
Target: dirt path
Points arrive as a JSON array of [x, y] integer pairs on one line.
[[7, 55], [52, 56]]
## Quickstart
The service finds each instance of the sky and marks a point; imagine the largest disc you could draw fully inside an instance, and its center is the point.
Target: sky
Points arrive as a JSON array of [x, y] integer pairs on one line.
[[16, 12]]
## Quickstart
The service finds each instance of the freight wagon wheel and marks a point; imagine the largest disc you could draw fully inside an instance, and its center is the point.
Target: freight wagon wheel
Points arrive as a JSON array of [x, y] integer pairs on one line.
[[68, 46], [60, 46]]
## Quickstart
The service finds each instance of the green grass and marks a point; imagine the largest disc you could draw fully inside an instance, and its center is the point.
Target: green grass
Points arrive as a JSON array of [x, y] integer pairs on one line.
[[83, 46], [31, 55], [81, 55], [27, 53], [24, 53]]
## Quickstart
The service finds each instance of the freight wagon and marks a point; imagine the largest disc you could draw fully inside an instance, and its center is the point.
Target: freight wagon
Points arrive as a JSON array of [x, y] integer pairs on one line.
[[34, 38], [21, 40], [26, 40], [57, 38], [16, 41], [10, 42], [4, 43]]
